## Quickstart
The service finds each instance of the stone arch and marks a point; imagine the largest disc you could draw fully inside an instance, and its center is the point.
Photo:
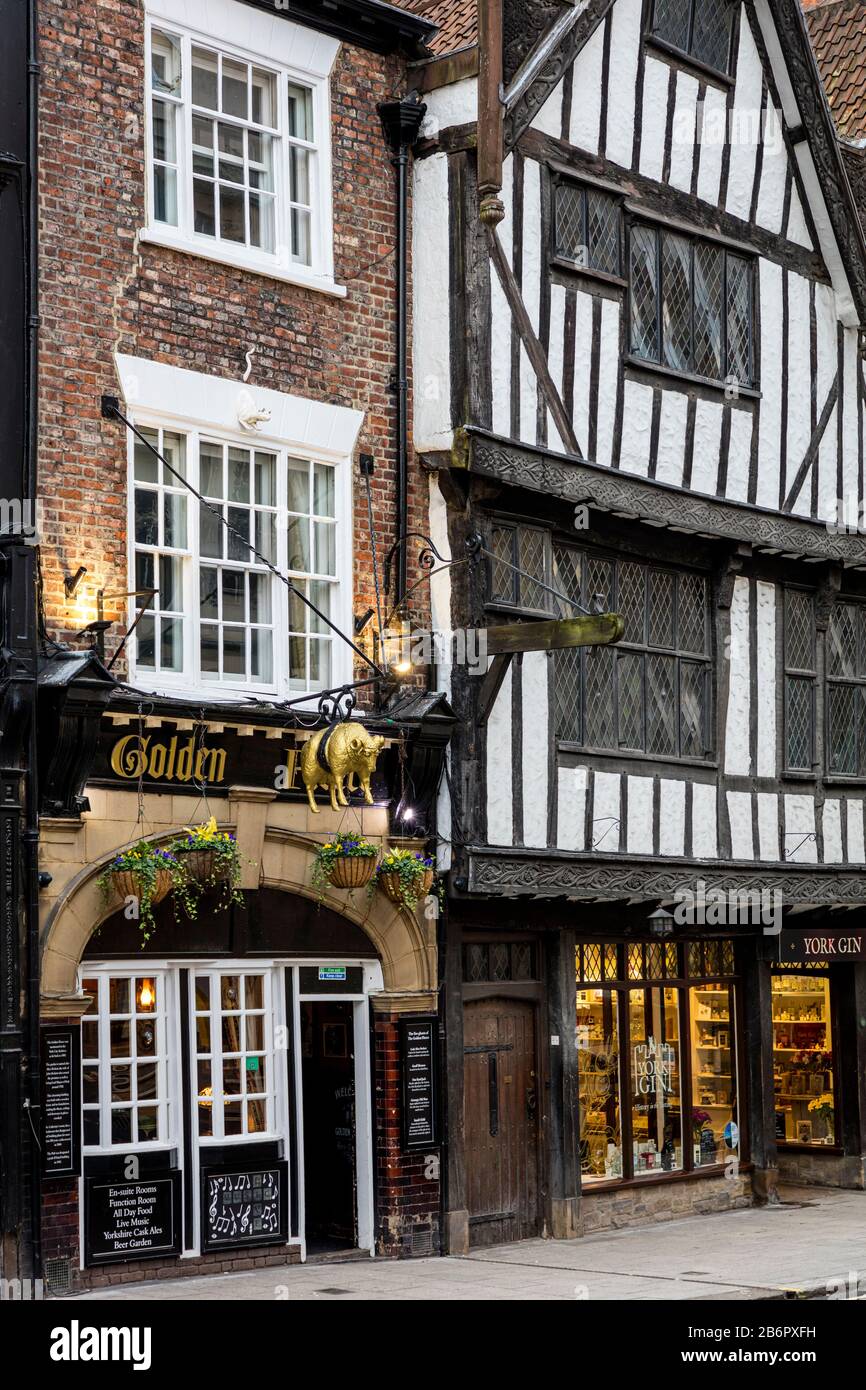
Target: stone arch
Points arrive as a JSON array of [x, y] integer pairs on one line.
[[405, 944]]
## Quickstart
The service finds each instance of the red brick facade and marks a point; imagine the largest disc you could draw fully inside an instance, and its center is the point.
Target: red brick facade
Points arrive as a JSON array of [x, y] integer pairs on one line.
[[102, 291], [407, 1184]]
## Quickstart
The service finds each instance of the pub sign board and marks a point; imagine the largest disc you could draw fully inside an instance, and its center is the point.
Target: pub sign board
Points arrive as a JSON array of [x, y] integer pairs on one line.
[[244, 1206], [418, 1038], [833, 945], [61, 1102], [132, 1220]]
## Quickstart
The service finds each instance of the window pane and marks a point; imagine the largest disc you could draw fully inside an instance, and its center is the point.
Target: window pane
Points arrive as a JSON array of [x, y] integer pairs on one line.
[[644, 294], [234, 596], [714, 1092], [692, 613], [165, 63], [692, 712], [174, 521], [211, 470], [300, 112], [630, 693], [676, 302], [739, 320], [210, 533], [239, 475], [170, 587], [567, 691], [711, 33], [231, 141], [260, 598], [146, 517], [232, 219], [164, 148], [145, 639], [603, 224], [171, 644], [799, 631], [323, 504], [661, 734], [174, 453], [261, 656], [265, 474], [209, 592], [118, 996], [209, 650], [598, 702], [844, 701], [145, 464], [671, 22], [204, 78], [203, 208], [598, 1085], [803, 1059], [798, 722], [657, 1139], [709, 262], [570, 238], [325, 538], [165, 195], [300, 222], [234, 653], [145, 1038], [235, 95], [262, 221], [842, 641], [264, 98], [631, 600], [661, 608], [299, 545], [299, 486], [121, 1126], [239, 536]]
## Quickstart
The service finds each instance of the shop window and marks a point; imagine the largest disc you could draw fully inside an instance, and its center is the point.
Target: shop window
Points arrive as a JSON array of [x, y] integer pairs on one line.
[[803, 1061], [219, 616], [657, 1063], [651, 692], [800, 677], [238, 155], [123, 1045], [701, 29], [234, 1055], [846, 689], [588, 228], [691, 306]]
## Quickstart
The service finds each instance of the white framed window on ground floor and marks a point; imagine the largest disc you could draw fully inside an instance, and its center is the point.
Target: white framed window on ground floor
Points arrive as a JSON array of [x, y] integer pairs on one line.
[[226, 1104]]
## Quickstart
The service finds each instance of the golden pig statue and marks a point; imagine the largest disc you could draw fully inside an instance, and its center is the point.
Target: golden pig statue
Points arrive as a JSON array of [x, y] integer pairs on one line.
[[338, 752]]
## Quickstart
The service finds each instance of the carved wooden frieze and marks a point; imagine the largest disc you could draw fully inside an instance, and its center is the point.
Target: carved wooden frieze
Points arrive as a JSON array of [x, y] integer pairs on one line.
[[519, 116], [523, 24], [610, 490]]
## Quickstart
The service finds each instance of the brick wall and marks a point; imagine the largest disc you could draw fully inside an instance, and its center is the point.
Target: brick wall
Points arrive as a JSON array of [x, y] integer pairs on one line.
[[102, 291], [408, 1199]]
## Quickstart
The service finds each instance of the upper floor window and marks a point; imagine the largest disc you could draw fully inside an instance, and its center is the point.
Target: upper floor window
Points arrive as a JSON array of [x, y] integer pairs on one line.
[[523, 557], [691, 305], [239, 163], [846, 689], [652, 692], [588, 225], [699, 28], [800, 643], [219, 616]]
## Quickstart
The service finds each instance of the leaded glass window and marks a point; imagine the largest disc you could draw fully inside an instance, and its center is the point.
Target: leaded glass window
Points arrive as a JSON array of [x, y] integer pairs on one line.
[[800, 676], [846, 689], [588, 225], [516, 549], [691, 305], [650, 693], [699, 28]]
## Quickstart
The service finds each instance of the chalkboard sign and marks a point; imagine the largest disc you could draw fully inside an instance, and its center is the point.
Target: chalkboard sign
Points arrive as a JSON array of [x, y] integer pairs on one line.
[[244, 1208], [418, 1061], [132, 1220], [61, 1109]]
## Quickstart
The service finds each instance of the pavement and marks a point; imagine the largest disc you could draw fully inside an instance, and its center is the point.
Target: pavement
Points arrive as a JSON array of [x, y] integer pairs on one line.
[[812, 1245]]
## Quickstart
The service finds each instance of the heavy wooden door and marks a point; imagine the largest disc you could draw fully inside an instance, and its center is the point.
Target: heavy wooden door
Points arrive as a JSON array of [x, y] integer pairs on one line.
[[500, 1101]]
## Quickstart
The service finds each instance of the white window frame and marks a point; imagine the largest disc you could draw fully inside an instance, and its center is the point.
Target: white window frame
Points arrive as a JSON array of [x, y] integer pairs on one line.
[[299, 429], [286, 50]]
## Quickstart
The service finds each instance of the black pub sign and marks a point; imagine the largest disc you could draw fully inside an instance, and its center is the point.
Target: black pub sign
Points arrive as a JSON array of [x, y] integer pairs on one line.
[[418, 1068], [831, 945], [61, 1110], [132, 1220], [244, 1207]]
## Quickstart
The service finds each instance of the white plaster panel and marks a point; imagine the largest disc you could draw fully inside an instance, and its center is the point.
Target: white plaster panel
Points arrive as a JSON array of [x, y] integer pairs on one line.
[[571, 808], [745, 125], [832, 826], [766, 668], [656, 79], [708, 436], [712, 145], [684, 131], [606, 812], [768, 827], [670, 459], [854, 810], [705, 842], [672, 816], [536, 749], [500, 759], [625, 43], [771, 384], [739, 455], [771, 196], [636, 428], [737, 755], [740, 820], [586, 101], [640, 815], [800, 846]]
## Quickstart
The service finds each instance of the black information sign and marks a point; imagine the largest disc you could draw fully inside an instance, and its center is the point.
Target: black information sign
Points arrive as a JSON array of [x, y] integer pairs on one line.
[[61, 1109], [418, 1059], [132, 1220], [244, 1208], [807, 945]]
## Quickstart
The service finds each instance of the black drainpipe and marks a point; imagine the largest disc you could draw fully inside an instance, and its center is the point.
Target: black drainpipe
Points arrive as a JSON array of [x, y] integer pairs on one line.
[[401, 121]]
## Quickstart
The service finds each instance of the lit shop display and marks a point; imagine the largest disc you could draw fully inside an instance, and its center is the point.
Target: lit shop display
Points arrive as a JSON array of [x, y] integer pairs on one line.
[[657, 1058], [803, 1063]]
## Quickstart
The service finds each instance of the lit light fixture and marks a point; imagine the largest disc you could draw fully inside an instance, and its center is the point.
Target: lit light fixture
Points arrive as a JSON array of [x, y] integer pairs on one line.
[[145, 996], [72, 581], [396, 649]]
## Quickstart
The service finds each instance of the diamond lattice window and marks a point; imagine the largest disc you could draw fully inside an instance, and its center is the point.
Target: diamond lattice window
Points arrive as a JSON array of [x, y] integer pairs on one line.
[[700, 28], [691, 306], [846, 689], [588, 228], [651, 692]]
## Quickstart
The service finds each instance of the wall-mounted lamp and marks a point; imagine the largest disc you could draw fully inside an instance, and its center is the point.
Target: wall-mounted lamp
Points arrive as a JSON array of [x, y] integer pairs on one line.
[[661, 922], [72, 581], [361, 621]]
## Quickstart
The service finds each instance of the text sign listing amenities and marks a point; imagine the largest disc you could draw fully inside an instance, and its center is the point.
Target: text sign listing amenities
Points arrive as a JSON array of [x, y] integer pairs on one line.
[[132, 1220], [418, 1057], [61, 1073]]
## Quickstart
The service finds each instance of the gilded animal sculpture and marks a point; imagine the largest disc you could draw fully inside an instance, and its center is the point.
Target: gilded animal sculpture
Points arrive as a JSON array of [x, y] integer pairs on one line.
[[339, 752]]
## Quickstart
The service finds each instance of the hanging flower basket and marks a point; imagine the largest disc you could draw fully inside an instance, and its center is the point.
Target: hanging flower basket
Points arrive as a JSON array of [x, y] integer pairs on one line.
[[345, 861], [207, 859], [146, 875], [405, 877]]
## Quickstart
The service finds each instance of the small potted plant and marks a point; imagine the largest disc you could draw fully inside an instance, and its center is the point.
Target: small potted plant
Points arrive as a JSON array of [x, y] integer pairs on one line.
[[206, 858], [145, 873], [405, 876], [823, 1109], [344, 861]]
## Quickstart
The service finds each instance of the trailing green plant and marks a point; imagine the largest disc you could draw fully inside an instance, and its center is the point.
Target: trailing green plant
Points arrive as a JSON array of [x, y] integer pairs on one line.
[[207, 860], [327, 856], [405, 874], [145, 868]]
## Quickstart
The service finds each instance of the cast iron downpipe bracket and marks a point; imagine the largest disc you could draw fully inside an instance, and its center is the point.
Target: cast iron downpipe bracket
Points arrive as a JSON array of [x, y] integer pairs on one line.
[[401, 122]]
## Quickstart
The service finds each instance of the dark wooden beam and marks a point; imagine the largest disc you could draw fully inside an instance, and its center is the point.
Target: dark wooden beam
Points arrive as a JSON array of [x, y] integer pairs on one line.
[[811, 453], [591, 630]]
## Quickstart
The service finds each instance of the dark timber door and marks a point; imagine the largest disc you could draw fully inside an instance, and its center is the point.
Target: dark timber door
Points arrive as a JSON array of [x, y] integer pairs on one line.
[[500, 1120]]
